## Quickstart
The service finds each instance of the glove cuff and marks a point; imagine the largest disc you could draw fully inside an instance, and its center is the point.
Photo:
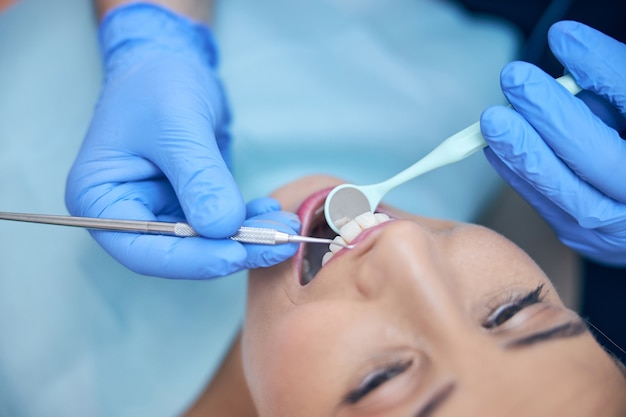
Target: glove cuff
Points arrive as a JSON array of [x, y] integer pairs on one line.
[[131, 33]]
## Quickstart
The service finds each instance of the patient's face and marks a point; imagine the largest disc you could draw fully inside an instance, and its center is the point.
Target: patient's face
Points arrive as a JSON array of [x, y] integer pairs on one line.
[[421, 318]]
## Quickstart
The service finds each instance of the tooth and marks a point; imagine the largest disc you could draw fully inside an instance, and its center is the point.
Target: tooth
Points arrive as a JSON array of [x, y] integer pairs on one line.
[[381, 217], [326, 257], [341, 222], [366, 220], [336, 248], [306, 266], [349, 231]]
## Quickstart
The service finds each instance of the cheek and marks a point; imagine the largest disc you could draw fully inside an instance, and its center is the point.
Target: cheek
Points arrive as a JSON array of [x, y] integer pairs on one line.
[[491, 262], [285, 362]]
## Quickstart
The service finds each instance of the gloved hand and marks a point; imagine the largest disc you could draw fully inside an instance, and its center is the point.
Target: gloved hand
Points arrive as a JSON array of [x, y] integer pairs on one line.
[[157, 149], [564, 154]]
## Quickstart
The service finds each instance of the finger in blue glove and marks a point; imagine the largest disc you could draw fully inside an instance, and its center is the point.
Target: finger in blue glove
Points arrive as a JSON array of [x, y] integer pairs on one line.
[[265, 212], [564, 159], [157, 147]]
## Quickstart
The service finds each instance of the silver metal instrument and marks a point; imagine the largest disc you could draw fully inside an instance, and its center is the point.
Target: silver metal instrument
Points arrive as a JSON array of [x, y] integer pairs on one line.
[[245, 234]]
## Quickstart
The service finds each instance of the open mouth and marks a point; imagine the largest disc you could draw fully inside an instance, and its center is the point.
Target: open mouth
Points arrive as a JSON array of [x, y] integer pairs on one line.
[[310, 258]]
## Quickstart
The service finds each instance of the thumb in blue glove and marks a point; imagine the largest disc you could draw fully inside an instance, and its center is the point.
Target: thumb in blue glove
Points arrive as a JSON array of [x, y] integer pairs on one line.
[[157, 149], [564, 154]]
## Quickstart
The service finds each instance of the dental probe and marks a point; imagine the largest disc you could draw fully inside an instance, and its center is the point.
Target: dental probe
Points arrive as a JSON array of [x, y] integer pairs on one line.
[[264, 236], [245, 234]]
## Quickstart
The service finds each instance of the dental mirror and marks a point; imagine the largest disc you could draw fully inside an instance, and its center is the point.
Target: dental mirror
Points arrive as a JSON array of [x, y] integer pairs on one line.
[[347, 201]]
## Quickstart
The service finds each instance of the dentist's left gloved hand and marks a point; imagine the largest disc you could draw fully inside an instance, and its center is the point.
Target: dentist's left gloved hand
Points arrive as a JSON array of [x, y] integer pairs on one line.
[[564, 154], [157, 149]]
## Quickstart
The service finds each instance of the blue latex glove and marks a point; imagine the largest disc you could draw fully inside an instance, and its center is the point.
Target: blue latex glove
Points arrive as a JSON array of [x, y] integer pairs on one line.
[[564, 154], [157, 148]]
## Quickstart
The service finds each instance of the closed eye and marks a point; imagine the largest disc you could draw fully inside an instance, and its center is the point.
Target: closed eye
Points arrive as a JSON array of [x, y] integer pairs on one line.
[[376, 379], [504, 312]]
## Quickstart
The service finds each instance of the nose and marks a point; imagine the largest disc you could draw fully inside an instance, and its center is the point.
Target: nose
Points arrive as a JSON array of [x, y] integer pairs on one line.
[[400, 252], [404, 263], [408, 257]]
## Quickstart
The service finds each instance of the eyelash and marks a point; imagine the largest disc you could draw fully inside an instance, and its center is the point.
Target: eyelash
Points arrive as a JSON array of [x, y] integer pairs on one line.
[[504, 312], [498, 316], [377, 379]]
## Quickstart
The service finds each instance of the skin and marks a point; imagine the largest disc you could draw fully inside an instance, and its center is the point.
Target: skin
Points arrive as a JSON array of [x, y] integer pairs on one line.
[[5, 3], [418, 291], [199, 10]]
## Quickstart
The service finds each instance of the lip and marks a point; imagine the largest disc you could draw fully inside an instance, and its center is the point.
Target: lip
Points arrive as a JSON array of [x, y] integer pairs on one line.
[[311, 214]]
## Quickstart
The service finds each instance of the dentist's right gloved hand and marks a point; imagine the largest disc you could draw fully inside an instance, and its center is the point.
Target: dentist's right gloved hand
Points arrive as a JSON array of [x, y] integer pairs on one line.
[[157, 149], [564, 154]]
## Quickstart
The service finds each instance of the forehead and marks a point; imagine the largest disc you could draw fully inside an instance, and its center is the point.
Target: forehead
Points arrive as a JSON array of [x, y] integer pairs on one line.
[[569, 377]]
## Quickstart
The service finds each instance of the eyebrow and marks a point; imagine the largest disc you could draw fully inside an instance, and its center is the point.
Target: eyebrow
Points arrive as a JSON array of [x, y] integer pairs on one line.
[[563, 331], [437, 400], [566, 330]]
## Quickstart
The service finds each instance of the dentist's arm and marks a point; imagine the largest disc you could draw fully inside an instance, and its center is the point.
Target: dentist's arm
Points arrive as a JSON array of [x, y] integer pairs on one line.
[[564, 154], [158, 148]]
